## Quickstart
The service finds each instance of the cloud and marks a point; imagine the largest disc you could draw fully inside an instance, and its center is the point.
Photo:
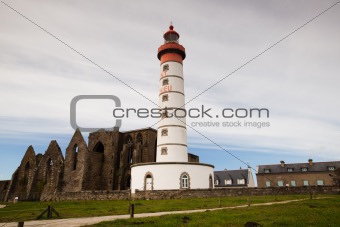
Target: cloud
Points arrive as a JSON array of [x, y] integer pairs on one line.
[[297, 80]]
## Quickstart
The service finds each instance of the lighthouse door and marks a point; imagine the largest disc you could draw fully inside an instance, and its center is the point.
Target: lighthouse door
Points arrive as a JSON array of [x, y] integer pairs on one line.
[[148, 183]]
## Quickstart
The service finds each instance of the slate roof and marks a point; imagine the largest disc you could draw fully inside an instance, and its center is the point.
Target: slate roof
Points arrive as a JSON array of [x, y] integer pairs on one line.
[[231, 175], [297, 167]]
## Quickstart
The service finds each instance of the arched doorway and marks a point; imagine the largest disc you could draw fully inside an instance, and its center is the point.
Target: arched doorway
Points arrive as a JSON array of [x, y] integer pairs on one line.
[[148, 181], [210, 181]]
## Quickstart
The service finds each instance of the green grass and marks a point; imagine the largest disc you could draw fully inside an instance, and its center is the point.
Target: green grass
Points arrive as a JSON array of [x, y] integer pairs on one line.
[[24, 211], [319, 212]]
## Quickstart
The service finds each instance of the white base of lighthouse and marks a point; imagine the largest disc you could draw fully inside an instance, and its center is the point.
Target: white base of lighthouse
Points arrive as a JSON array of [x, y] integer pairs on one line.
[[171, 176]]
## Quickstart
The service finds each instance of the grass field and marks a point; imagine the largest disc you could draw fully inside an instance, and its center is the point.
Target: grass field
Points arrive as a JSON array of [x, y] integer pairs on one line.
[[24, 211], [316, 212]]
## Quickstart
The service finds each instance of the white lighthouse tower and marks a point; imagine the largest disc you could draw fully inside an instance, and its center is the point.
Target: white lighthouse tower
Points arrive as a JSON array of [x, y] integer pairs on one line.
[[172, 170], [172, 132]]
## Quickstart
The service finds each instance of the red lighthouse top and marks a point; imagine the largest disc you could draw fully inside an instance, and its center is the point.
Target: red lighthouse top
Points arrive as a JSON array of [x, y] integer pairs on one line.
[[171, 35], [171, 50]]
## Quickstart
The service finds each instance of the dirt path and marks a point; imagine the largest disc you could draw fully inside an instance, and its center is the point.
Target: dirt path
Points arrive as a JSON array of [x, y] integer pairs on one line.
[[76, 222]]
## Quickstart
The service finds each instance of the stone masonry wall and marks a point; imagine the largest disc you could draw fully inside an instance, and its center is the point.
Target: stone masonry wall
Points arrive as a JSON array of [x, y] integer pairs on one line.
[[225, 192], [197, 193], [89, 195]]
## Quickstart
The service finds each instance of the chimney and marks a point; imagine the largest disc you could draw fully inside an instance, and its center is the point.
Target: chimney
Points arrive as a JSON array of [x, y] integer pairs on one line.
[[310, 161], [282, 163]]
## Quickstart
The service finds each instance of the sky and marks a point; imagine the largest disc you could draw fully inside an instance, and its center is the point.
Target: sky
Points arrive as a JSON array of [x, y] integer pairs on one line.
[[241, 55]]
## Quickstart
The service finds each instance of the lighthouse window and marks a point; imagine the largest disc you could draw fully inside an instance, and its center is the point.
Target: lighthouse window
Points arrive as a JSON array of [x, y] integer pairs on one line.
[[165, 67], [185, 181], [164, 151], [165, 98], [165, 82], [164, 132]]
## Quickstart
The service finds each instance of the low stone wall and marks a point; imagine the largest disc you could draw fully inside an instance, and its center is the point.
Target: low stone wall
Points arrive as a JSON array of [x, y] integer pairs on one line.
[[88, 195], [224, 192], [196, 193]]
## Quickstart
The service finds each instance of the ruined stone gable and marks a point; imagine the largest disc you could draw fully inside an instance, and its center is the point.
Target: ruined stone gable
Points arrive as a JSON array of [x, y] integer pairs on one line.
[[76, 160], [50, 170], [22, 179]]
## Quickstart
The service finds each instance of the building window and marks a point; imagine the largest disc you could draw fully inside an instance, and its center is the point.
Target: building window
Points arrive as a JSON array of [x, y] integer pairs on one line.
[[164, 132], [49, 168], [165, 67], [184, 181], [331, 168], [164, 151], [139, 138], [227, 182], [130, 154], [304, 169], [290, 170], [293, 183], [319, 182], [27, 172], [165, 98], [165, 82], [75, 157], [280, 183], [267, 183], [267, 170], [99, 147], [305, 183], [240, 181]]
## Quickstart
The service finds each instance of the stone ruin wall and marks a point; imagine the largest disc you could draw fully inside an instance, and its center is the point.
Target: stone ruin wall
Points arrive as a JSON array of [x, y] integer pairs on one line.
[[102, 165]]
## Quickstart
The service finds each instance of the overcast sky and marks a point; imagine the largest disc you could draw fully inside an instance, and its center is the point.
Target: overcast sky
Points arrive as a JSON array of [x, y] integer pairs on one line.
[[297, 80]]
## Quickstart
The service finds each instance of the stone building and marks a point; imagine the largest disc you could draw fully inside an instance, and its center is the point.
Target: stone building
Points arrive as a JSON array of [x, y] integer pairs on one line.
[[104, 164], [234, 178], [297, 174]]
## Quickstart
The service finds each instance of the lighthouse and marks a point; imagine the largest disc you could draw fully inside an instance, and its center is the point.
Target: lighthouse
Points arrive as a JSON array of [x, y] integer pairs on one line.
[[172, 132], [172, 169]]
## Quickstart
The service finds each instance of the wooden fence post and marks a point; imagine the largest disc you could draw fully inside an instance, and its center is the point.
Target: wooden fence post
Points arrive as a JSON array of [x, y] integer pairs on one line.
[[132, 210]]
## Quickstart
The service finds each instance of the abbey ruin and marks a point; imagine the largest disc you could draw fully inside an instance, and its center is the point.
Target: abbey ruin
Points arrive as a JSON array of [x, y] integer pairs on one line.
[[101, 165]]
